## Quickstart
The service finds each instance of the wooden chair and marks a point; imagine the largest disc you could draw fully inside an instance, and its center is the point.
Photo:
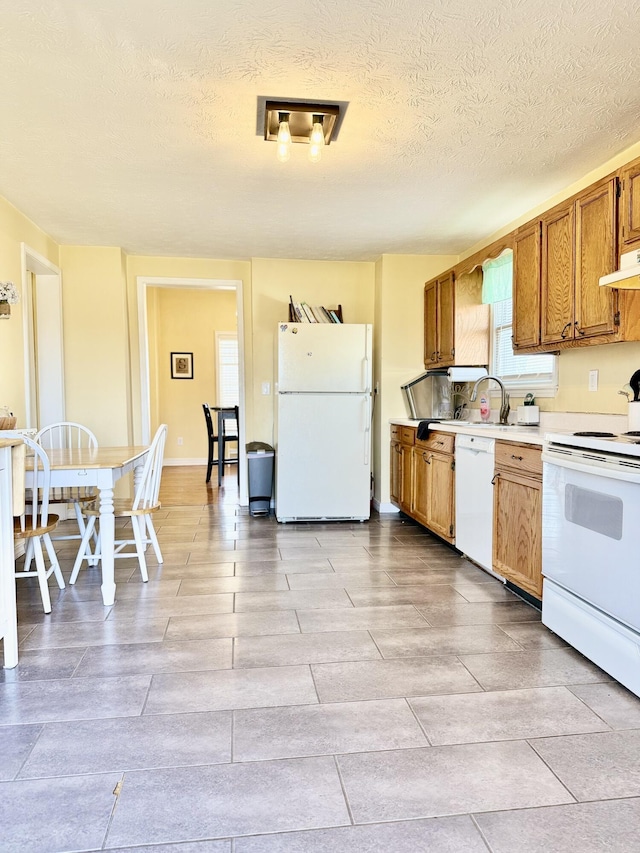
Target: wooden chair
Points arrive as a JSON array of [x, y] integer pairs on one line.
[[228, 431], [36, 525], [212, 439], [67, 435], [140, 510]]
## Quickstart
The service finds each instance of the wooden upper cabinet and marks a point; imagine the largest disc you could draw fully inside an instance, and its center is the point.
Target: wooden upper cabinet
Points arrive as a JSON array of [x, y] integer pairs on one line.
[[596, 255], [431, 324], [558, 257], [456, 323], [630, 207], [526, 287], [446, 314]]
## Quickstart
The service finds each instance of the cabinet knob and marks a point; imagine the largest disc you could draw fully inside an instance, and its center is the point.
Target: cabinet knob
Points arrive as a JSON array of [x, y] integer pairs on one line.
[[580, 331], [495, 477], [519, 458], [563, 333]]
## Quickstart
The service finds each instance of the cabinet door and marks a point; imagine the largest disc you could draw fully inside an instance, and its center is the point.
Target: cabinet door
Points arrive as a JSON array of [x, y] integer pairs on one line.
[[517, 531], [421, 472], [396, 472], [526, 288], [596, 255], [440, 496], [446, 320], [430, 323], [558, 266], [406, 478], [630, 205]]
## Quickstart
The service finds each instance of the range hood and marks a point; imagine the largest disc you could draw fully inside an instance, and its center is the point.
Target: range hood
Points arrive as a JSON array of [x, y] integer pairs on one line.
[[628, 276]]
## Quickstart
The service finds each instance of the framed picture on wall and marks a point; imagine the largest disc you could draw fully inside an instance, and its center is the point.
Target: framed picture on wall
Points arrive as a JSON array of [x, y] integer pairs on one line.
[[182, 365]]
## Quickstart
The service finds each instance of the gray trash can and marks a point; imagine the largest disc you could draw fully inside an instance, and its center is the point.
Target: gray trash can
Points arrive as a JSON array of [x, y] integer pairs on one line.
[[260, 464]]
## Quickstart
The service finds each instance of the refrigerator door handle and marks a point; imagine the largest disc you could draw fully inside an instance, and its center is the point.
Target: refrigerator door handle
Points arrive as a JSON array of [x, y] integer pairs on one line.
[[365, 374]]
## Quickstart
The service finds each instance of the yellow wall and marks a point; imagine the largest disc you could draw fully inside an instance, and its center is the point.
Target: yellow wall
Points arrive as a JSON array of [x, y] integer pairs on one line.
[[186, 320], [328, 283], [96, 341], [398, 335], [16, 229]]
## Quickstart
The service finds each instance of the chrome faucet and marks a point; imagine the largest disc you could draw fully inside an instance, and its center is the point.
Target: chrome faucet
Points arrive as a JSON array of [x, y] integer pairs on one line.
[[504, 402]]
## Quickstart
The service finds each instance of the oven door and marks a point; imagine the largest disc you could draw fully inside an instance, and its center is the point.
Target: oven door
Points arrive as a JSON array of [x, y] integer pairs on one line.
[[591, 534]]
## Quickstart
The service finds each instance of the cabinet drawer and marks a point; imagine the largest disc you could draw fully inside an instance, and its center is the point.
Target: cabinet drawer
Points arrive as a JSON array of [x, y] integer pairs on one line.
[[407, 435], [443, 442], [395, 432], [523, 458]]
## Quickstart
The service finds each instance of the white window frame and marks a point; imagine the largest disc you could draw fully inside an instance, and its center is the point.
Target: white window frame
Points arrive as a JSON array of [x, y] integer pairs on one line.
[[518, 387], [220, 338]]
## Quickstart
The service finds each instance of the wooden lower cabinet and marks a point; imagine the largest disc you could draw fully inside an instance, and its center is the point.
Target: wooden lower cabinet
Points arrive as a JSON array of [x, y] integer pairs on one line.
[[422, 480], [517, 516]]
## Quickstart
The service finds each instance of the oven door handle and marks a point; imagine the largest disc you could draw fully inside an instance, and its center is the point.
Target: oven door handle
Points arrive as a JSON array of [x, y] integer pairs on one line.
[[591, 466]]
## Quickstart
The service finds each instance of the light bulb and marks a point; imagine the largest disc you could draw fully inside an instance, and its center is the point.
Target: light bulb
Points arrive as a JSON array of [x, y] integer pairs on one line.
[[284, 152], [316, 139], [284, 134]]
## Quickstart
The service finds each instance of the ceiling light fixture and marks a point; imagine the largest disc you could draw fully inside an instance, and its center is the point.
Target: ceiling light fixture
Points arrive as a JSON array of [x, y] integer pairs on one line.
[[286, 122]]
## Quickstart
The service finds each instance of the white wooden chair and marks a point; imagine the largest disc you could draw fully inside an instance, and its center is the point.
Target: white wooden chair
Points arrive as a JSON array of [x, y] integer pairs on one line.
[[67, 435], [35, 527], [140, 510]]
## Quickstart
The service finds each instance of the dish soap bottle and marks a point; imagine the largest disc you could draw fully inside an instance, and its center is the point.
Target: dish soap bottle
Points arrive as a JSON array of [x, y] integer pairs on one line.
[[485, 410]]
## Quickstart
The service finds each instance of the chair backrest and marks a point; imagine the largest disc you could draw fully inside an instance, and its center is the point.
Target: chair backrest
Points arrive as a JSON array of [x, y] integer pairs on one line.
[[66, 435], [208, 419], [37, 498], [148, 488]]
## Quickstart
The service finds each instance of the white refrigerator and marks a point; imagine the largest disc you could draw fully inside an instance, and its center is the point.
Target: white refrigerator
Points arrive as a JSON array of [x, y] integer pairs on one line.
[[323, 421]]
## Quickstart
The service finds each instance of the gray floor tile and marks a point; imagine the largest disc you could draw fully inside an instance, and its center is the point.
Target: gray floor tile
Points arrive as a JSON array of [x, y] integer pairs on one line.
[[445, 780], [139, 591], [584, 827], [251, 583], [16, 742], [483, 592], [73, 814], [533, 635], [437, 835], [228, 689], [130, 743], [329, 552], [325, 730], [369, 562], [71, 634], [614, 703], [504, 715], [340, 580], [72, 699], [545, 668], [274, 796], [43, 664], [482, 613], [342, 682], [181, 605], [418, 595], [359, 618], [186, 847], [212, 556], [427, 576], [595, 766], [233, 625], [150, 658], [289, 567], [172, 572], [457, 639], [289, 649], [66, 610], [298, 600]]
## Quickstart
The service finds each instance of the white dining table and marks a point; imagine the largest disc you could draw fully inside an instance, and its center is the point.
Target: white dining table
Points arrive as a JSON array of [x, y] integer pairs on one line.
[[11, 503], [99, 468]]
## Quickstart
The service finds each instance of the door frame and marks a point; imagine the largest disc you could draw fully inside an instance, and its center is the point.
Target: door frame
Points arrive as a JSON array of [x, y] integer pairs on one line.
[[143, 337], [42, 296]]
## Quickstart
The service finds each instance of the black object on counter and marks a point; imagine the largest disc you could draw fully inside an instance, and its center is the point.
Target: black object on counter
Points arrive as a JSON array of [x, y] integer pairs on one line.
[[634, 382]]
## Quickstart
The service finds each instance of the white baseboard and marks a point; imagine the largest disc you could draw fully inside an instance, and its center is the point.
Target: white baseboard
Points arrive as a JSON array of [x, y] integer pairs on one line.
[[385, 507]]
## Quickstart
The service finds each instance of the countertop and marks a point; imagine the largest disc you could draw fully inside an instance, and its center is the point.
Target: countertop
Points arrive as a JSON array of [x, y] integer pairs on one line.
[[511, 432]]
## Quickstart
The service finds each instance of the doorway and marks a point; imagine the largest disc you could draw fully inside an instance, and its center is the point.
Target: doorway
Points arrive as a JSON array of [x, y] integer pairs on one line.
[[144, 283]]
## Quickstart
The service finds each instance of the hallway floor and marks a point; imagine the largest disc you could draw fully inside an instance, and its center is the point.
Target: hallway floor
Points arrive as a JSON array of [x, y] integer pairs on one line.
[[308, 688]]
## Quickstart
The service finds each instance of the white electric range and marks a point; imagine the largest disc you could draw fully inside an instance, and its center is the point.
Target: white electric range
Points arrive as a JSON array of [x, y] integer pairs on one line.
[[590, 559]]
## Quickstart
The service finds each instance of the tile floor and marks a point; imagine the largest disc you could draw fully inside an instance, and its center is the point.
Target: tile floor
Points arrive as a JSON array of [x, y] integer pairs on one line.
[[307, 689]]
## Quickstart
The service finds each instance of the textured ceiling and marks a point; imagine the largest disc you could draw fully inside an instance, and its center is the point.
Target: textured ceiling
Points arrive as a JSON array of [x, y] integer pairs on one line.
[[134, 123]]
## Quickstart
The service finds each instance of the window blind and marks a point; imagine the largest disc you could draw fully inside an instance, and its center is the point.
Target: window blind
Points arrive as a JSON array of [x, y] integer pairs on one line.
[[227, 372], [510, 367]]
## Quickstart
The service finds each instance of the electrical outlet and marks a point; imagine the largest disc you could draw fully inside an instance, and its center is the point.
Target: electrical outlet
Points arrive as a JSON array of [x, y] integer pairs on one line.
[[593, 380], [180, 442]]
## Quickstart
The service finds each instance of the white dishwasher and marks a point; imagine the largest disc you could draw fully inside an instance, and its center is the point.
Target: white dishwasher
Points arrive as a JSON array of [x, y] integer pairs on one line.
[[474, 498]]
